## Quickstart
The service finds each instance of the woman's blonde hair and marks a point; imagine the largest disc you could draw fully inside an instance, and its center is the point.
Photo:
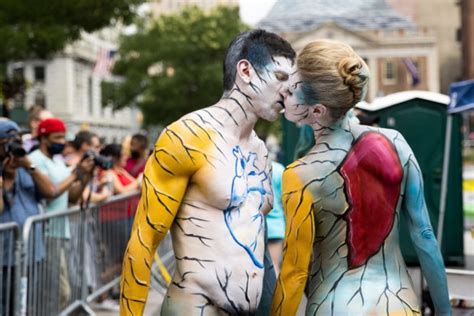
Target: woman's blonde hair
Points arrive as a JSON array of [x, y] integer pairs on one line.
[[333, 75]]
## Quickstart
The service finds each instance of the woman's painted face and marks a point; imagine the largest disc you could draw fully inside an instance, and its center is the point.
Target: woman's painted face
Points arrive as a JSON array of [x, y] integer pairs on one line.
[[296, 110]]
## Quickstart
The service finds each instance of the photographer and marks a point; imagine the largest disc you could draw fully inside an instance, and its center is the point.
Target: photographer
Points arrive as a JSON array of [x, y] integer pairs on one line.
[[83, 142], [69, 186], [123, 182], [87, 144], [135, 164], [21, 188]]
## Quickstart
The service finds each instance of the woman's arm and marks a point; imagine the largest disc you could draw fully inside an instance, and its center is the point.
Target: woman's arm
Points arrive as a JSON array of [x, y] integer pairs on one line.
[[297, 249], [422, 235]]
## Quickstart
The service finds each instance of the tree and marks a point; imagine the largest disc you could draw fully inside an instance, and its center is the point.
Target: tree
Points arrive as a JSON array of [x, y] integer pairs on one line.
[[174, 65], [35, 29], [32, 28]]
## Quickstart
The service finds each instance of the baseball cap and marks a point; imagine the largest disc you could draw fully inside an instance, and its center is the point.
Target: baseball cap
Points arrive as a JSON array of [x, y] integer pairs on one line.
[[51, 125], [6, 126]]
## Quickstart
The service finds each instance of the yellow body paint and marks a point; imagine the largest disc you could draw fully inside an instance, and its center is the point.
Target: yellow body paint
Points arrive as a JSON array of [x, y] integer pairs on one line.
[[298, 205], [178, 153]]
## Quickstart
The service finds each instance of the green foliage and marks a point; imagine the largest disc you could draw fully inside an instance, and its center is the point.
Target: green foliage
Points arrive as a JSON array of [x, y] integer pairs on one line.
[[34, 28], [174, 66]]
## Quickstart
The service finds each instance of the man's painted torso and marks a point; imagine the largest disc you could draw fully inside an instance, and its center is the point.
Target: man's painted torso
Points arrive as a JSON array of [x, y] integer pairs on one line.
[[218, 230]]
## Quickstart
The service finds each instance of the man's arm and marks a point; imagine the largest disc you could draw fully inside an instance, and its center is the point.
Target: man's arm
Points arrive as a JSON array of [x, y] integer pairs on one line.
[[83, 173], [421, 234], [297, 249], [50, 191], [165, 181], [44, 185]]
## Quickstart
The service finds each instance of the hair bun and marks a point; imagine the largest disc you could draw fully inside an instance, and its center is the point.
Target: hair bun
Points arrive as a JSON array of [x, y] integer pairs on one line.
[[351, 70]]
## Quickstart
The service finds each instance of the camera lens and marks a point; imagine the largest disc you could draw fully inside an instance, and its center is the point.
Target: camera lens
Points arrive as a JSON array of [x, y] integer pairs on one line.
[[15, 148], [100, 161]]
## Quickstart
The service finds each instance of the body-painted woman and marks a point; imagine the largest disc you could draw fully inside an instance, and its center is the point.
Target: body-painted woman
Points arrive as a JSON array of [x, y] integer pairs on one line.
[[343, 201], [208, 182]]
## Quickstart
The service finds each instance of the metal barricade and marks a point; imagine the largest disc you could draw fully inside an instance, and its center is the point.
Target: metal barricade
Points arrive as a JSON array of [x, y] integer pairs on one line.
[[107, 234], [10, 265], [53, 262], [71, 257]]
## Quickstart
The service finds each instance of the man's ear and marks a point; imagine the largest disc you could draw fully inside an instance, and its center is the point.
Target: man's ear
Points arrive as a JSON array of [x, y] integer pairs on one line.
[[244, 70]]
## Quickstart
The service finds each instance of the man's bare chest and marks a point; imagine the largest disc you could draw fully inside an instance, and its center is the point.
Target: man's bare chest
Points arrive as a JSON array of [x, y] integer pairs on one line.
[[240, 180]]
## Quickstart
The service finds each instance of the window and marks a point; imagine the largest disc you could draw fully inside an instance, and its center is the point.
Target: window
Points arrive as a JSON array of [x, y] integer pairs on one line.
[[40, 98], [389, 74], [18, 72], [39, 73]]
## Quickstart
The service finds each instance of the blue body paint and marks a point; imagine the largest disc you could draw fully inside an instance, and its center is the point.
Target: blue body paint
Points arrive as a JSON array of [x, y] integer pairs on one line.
[[424, 239], [248, 179]]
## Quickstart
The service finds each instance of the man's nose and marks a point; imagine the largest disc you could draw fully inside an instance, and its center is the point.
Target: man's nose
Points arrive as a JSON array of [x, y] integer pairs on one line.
[[284, 93]]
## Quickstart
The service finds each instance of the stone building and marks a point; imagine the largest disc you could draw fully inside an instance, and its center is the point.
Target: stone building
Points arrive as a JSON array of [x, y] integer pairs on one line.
[[68, 86], [443, 19], [467, 37], [391, 44]]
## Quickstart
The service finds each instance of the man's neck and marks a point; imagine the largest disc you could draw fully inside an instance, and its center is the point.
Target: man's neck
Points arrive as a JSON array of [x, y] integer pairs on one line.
[[45, 152], [239, 105]]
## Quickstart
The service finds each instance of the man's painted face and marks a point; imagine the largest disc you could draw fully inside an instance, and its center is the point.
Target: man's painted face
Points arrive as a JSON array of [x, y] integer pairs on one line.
[[268, 87], [296, 109]]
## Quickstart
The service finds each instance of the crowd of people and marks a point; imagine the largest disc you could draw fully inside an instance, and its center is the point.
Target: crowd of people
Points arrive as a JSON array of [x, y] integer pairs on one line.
[[42, 171], [63, 171]]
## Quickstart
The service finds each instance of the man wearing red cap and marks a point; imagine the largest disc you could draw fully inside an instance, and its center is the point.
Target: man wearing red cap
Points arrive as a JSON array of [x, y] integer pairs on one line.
[[68, 189]]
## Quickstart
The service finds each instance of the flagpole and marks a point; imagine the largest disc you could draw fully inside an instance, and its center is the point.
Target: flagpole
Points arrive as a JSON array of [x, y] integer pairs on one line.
[[444, 181]]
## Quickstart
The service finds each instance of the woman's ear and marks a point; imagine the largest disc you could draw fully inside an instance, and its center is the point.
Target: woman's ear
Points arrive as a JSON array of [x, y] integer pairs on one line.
[[244, 70], [317, 111]]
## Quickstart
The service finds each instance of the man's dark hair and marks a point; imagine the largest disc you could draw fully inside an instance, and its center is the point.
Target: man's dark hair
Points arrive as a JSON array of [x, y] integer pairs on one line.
[[81, 138], [258, 47], [141, 139], [112, 150]]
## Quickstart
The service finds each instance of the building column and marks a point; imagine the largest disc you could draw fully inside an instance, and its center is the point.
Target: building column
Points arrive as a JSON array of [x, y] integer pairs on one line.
[[432, 64], [373, 82]]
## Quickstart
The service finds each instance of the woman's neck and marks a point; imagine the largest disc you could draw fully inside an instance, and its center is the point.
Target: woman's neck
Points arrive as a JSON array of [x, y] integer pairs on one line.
[[323, 128]]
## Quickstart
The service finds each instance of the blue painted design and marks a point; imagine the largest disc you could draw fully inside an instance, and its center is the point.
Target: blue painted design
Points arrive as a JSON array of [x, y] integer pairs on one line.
[[310, 95], [247, 185], [259, 56]]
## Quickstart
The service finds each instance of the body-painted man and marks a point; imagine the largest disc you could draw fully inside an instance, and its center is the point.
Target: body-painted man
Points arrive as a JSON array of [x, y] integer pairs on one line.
[[343, 201], [208, 181]]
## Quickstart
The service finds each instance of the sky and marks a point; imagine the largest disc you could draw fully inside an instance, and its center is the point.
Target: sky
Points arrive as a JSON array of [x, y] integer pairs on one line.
[[251, 11]]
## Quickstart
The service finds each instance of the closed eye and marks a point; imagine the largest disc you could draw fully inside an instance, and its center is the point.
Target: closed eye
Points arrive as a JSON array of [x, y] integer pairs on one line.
[[281, 76]]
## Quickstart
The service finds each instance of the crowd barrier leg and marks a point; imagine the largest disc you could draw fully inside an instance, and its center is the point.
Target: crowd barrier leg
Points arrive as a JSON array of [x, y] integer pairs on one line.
[[10, 268]]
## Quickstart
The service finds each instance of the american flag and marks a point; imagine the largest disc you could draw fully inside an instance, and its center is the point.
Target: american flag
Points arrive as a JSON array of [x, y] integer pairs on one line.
[[105, 62], [412, 69]]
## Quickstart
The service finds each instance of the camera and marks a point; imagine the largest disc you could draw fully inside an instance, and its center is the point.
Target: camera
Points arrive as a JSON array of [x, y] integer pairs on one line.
[[99, 160], [15, 147]]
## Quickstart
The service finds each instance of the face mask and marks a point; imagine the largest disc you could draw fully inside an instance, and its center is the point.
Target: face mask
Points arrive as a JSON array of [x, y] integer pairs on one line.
[[55, 148], [135, 154]]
